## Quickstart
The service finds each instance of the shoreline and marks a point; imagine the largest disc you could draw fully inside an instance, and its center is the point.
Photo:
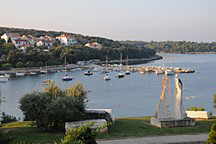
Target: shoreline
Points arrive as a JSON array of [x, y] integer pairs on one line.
[[198, 53], [134, 61], [73, 66]]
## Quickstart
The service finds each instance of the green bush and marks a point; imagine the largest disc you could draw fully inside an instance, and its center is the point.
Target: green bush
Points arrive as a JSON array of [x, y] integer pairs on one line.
[[212, 135], [196, 109], [6, 66], [53, 107], [81, 135]]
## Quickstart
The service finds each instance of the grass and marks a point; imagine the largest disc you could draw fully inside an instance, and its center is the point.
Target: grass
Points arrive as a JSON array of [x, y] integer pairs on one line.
[[140, 127], [122, 128], [26, 132]]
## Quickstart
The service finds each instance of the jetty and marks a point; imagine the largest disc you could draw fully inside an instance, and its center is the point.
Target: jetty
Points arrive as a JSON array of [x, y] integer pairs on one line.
[[152, 69]]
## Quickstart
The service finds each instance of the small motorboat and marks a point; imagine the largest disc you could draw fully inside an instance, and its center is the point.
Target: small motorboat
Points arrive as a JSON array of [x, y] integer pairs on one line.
[[107, 78], [4, 78], [67, 78], [18, 74], [43, 71], [121, 75], [88, 73], [127, 72]]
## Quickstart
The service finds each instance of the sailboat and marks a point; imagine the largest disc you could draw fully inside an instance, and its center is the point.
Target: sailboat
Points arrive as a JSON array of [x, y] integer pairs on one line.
[[67, 77], [127, 71], [47, 81], [106, 66], [120, 74], [107, 77]]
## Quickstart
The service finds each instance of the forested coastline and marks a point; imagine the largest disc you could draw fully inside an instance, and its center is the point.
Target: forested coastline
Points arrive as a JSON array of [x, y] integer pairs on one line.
[[176, 46]]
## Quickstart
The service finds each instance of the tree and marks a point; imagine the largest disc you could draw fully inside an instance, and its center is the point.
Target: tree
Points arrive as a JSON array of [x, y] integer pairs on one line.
[[19, 65], [53, 90], [212, 135], [53, 107], [6, 66], [214, 100]]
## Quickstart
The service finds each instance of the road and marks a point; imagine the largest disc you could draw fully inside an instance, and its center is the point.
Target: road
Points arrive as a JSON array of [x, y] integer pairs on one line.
[[177, 139]]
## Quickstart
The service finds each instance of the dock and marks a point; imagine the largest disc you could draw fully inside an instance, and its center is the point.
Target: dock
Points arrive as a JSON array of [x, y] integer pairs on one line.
[[151, 69]]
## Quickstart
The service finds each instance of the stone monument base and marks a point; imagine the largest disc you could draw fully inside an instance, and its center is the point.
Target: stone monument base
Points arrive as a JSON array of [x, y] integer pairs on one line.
[[171, 123]]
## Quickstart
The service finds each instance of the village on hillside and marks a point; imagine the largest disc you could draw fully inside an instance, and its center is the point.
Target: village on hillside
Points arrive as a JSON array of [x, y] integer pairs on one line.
[[24, 41]]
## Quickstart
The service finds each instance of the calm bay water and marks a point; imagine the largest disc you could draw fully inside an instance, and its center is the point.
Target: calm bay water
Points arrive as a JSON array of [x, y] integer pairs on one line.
[[134, 95]]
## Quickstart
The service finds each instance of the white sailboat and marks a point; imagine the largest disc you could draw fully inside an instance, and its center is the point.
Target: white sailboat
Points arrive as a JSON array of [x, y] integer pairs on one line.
[[46, 81], [127, 71], [121, 74], [107, 77], [106, 66], [66, 77]]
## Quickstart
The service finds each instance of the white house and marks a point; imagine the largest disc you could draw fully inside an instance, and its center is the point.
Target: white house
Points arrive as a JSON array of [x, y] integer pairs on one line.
[[67, 39], [19, 43], [12, 36], [94, 45]]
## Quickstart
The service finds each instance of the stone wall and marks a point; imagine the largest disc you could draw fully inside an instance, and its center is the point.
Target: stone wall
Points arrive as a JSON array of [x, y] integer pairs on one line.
[[197, 114], [97, 123]]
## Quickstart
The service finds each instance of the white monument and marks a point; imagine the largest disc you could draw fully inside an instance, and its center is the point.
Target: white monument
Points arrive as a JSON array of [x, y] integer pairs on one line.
[[163, 117]]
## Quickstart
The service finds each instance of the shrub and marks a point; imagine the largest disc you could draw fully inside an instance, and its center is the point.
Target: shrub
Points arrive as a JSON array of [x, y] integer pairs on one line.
[[196, 109], [6, 66], [212, 135], [81, 135], [53, 107]]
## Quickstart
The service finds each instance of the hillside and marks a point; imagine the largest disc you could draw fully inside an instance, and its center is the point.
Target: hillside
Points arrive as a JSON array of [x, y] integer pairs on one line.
[[53, 53]]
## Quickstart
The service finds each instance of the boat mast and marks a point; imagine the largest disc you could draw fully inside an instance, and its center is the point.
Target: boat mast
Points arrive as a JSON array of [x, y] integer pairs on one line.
[[120, 61], [106, 63], [65, 65]]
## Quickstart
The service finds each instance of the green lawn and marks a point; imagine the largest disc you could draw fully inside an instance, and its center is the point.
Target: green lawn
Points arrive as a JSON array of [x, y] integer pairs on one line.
[[140, 127], [122, 128], [27, 132]]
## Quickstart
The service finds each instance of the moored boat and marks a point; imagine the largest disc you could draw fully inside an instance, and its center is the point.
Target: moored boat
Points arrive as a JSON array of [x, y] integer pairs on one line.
[[18, 74], [67, 78], [120, 75], [88, 73], [107, 77], [127, 72], [4, 78]]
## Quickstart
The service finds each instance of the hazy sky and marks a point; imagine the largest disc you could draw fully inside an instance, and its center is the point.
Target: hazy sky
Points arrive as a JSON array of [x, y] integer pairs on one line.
[[117, 19]]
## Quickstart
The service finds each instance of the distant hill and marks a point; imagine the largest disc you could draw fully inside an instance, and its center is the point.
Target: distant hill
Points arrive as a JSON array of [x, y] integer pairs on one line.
[[176, 46]]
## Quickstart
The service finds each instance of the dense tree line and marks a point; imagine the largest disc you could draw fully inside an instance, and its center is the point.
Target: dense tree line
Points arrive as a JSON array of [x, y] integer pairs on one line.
[[176, 46]]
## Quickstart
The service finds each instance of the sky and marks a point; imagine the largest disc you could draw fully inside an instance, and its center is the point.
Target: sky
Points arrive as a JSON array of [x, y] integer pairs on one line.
[[159, 20]]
